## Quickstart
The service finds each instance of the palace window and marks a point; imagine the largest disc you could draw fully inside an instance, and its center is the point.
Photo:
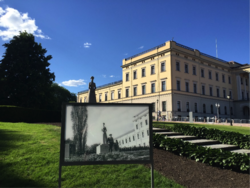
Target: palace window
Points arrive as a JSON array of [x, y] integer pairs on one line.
[[141, 124], [152, 69], [212, 108], [152, 87], [195, 107], [106, 96], [100, 98], [119, 94], [230, 94], [194, 70], [246, 82], [179, 106], [164, 106], [195, 88], [127, 92], [178, 85], [187, 87], [163, 68], [210, 74], [224, 93], [204, 108], [202, 73], [143, 90], [218, 92], [135, 74], [177, 66], [133, 138], [186, 68], [211, 91], [231, 110], [163, 86], [217, 76], [148, 132], [203, 90], [112, 95], [223, 78], [142, 134], [135, 91], [127, 77], [146, 122], [136, 126], [187, 106], [138, 136], [229, 79], [241, 80], [143, 72], [225, 108]]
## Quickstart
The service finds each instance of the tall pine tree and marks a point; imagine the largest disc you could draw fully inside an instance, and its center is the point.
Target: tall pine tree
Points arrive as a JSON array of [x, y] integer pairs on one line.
[[25, 79]]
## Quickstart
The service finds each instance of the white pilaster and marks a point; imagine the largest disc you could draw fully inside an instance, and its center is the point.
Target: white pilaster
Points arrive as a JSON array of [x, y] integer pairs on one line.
[[245, 90], [238, 83]]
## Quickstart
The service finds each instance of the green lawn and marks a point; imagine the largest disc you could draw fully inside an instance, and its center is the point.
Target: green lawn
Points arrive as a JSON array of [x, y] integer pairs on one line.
[[29, 157], [242, 130]]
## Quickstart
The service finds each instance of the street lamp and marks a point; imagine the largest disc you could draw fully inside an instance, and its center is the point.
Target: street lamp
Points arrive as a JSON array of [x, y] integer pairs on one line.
[[157, 110], [231, 123], [217, 106]]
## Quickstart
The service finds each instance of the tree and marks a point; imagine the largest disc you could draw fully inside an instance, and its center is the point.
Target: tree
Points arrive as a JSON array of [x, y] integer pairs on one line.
[[79, 116], [60, 95], [24, 77]]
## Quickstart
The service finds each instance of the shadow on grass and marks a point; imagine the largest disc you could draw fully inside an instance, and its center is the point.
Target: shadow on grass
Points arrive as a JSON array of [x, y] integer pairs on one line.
[[9, 175], [9, 138]]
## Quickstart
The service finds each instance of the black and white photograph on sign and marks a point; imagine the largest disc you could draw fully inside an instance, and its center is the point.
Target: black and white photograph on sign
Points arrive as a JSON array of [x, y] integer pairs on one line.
[[107, 133]]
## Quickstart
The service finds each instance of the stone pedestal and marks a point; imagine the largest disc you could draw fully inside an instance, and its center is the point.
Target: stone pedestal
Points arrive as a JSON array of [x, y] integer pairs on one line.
[[103, 148]]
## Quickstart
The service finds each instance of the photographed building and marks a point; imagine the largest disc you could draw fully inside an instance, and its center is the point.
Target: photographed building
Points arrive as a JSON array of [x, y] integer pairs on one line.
[[178, 79], [139, 135]]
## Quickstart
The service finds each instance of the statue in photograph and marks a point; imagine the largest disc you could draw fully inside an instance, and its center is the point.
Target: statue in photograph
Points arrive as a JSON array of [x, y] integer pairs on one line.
[[92, 87], [110, 142], [104, 130]]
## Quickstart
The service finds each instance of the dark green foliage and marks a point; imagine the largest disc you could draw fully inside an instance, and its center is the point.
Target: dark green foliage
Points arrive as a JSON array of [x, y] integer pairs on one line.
[[216, 157], [225, 137], [28, 115], [60, 95], [25, 79]]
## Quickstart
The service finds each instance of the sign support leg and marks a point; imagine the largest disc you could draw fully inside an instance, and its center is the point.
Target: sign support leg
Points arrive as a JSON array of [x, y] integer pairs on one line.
[[152, 175]]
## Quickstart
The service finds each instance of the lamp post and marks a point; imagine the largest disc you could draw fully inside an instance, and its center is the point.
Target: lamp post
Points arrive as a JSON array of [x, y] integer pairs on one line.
[[231, 123], [157, 109], [217, 106]]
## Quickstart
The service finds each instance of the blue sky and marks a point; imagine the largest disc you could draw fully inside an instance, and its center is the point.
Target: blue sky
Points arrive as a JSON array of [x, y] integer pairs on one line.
[[92, 37]]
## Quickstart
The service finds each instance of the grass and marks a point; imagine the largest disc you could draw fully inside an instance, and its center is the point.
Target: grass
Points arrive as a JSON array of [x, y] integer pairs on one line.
[[242, 130], [29, 157]]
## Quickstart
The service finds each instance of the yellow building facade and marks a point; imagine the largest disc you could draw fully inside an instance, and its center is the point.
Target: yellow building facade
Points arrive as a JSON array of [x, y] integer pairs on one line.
[[178, 79]]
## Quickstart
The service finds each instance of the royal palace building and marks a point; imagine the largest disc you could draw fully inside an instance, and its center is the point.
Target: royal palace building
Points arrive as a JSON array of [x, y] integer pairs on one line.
[[178, 79]]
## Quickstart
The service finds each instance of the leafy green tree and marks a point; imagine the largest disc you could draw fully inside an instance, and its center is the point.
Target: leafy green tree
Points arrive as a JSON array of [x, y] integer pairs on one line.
[[79, 116], [25, 79], [60, 95]]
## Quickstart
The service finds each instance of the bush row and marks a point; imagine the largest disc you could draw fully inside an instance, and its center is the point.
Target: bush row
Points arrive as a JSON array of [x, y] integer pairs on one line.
[[19, 114], [214, 157], [225, 137]]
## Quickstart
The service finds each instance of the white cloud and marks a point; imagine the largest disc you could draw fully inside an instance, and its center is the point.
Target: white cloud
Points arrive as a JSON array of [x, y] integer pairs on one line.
[[104, 76], [74, 83], [13, 21], [60, 84], [111, 76], [126, 54], [87, 45], [141, 47], [1, 0]]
